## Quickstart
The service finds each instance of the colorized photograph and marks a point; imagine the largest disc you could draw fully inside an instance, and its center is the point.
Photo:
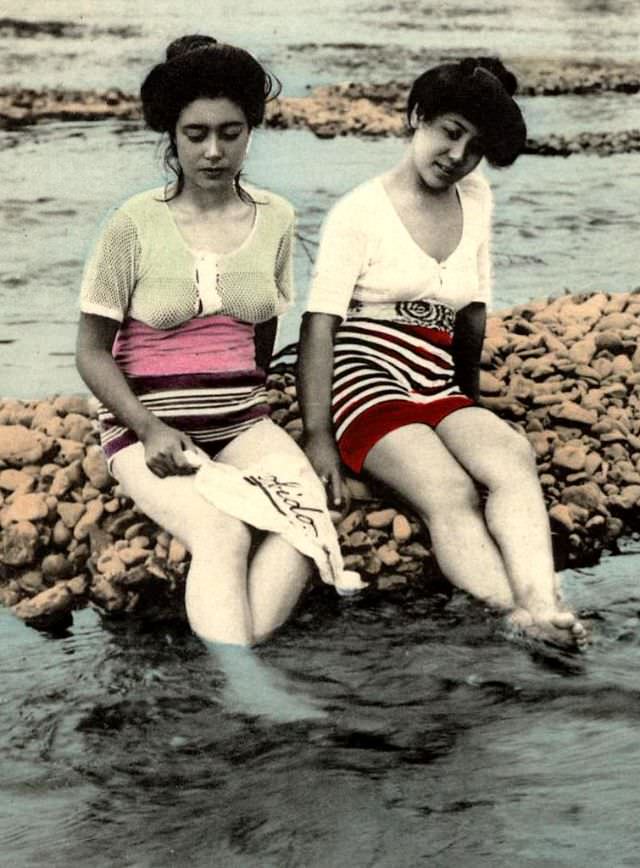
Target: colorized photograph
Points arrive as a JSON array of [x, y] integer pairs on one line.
[[320, 433]]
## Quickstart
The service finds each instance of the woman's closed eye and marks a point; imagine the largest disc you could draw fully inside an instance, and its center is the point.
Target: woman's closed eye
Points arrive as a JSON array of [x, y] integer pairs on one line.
[[452, 132]]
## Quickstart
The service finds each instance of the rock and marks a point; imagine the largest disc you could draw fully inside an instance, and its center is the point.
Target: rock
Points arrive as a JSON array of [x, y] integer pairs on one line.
[[20, 446], [16, 480], [48, 609], [351, 521], [561, 513], [131, 556], [91, 516], [42, 413], [177, 552], [71, 513], [610, 341], [587, 496], [106, 596], [401, 529], [388, 555], [384, 583], [373, 564], [61, 482], [56, 566], [95, 468], [64, 405], [110, 565], [61, 534], [25, 507], [627, 499], [69, 450], [489, 384], [381, 518], [77, 427], [19, 543], [78, 585], [582, 352], [574, 414], [572, 456], [359, 540]]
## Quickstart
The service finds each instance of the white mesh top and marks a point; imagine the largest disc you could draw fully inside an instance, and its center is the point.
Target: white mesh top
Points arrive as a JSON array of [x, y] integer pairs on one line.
[[367, 254], [142, 268]]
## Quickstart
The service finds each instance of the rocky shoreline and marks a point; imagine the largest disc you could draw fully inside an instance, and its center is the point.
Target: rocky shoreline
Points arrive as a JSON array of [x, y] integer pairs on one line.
[[565, 371], [355, 108]]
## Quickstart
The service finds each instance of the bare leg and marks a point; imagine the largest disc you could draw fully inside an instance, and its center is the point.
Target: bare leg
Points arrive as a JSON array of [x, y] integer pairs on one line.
[[502, 460], [414, 462], [216, 594], [278, 575]]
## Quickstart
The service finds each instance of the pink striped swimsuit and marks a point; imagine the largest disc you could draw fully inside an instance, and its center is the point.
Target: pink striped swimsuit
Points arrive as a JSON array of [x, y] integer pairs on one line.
[[199, 377]]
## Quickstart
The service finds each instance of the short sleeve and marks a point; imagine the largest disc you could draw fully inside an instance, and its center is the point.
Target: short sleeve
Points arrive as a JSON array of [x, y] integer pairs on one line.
[[481, 192], [284, 269], [340, 260], [110, 273]]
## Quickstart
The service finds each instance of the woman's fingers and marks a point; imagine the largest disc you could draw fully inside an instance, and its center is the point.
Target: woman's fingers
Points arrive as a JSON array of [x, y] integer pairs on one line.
[[335, 486]]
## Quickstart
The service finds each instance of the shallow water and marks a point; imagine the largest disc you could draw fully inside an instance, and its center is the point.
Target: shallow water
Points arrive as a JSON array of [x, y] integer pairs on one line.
[[560, 224], [443, 743], [107, 45]]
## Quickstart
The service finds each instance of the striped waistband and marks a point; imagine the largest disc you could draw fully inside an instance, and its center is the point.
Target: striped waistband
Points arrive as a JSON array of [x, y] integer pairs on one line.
[[428, 314], [210, 409]]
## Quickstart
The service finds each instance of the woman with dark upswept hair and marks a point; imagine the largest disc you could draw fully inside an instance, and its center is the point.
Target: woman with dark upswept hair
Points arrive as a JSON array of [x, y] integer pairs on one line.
[[179, 304], [391, 343]]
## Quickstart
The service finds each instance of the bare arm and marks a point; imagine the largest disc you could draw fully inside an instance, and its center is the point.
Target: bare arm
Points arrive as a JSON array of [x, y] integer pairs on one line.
[[468, 338], [163, 444], [315, 373], [265, 337]]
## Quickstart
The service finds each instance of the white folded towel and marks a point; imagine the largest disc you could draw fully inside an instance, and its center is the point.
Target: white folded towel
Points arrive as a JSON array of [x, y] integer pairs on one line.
[[283, 496]]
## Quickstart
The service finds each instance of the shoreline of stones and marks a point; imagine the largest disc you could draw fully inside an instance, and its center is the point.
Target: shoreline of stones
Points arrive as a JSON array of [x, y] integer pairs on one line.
[[565, 371], [355, 108]]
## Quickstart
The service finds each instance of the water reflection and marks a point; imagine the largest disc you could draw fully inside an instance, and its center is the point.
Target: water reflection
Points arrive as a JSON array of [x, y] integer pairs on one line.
[[442, 741]]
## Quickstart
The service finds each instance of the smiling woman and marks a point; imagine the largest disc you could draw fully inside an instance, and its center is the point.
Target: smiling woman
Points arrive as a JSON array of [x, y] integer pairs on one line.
[[391, 343]]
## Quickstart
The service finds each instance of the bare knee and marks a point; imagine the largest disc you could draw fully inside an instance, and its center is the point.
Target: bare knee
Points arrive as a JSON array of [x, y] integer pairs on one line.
[[515, 460], [454, 495], [217, 534]]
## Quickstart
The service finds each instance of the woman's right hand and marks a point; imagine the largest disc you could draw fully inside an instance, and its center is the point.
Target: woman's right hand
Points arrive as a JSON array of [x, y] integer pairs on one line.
[[322, 452], [164, 449]]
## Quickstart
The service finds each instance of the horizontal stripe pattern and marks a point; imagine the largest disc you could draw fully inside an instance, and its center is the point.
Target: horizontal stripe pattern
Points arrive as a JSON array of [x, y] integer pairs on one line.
[[212, 410], [380, 362]]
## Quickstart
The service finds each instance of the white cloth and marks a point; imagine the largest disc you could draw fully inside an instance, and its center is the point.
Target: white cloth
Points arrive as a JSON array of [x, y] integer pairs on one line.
[[366, 253], [283, 496]]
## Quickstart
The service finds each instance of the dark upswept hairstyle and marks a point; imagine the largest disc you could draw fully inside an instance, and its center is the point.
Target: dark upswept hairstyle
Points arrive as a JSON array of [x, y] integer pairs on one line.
[[480, 89], [199, 66]]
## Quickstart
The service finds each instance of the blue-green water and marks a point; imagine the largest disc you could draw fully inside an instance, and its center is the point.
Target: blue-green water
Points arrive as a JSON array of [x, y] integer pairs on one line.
[[560, 224], [443, 744]]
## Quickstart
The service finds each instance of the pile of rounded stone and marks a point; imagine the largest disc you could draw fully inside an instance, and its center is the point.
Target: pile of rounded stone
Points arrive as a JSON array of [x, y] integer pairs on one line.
[[565, 371]]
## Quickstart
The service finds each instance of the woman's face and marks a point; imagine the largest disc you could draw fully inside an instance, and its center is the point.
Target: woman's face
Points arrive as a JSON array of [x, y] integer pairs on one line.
[[211, 140], [445, 149]]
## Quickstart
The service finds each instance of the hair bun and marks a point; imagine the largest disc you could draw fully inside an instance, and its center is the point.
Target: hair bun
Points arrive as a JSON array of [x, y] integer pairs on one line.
[[184, 44], [496, 67]]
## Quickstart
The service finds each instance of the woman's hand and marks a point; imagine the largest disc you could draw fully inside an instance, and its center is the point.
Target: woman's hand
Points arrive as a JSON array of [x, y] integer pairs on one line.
[[322, 452], [164, 449]]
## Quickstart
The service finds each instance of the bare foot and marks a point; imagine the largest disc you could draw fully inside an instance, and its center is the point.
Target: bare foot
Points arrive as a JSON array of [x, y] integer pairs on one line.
[[553, 626], [256, 689]]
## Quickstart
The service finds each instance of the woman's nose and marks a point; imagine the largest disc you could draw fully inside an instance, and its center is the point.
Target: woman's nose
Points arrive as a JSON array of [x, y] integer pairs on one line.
[[457, 150], [213, 148]]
